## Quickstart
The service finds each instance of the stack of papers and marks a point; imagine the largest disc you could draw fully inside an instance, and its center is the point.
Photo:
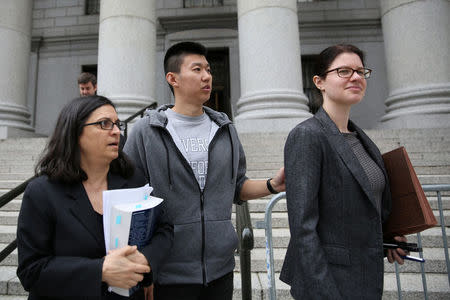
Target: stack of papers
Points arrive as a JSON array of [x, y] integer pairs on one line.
[[129, 218]]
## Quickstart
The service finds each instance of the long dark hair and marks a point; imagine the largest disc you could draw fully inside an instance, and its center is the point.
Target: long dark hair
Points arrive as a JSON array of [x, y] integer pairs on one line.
[[323, 62], [61, 158]]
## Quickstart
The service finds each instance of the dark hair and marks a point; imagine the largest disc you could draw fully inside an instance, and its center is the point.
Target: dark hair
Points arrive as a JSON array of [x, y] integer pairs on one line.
[[175, 55], [323, 62], [61, 158], [86, 77]]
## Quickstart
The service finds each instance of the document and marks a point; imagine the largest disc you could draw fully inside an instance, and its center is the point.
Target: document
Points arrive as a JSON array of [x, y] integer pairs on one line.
[[129, 218]]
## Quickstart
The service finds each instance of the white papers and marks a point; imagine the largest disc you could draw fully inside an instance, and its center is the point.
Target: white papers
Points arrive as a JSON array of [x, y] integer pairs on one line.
[[124, 209]]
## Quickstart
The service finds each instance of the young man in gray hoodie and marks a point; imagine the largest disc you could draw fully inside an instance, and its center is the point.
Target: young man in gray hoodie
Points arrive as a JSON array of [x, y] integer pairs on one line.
[[192, 157]]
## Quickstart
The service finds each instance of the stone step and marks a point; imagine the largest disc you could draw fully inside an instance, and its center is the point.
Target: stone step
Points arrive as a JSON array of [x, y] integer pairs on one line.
[[435, 261], [11, 259], [23, 143], [21, 177], [431, 238], [7, 233], [280, 219], [412, 288], [11, 289], [424, 179], [13, 205], [259, 205], [8, 217], [9, 283], [9, 184], [27, 168]]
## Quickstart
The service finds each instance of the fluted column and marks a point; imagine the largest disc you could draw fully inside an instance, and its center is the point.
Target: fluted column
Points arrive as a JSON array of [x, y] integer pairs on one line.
[[15, 37], [417, 42], [127, 43], [272, 96]]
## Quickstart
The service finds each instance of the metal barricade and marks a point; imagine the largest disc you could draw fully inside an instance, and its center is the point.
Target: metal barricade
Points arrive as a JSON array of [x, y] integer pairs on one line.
[[269, 241], [269, 245], [438, 188]]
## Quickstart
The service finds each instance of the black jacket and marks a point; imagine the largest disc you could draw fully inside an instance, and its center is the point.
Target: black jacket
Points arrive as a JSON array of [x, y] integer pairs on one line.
[[61, 243]]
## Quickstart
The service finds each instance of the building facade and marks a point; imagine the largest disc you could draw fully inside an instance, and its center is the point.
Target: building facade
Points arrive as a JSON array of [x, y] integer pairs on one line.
[[261, 52]]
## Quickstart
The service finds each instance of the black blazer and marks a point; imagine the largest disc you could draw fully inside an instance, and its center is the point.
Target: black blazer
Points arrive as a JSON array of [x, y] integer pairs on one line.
[[335, 250], [61, 243]]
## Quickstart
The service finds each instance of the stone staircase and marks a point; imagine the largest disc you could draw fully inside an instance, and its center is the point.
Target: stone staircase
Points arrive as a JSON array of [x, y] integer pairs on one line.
[[429, 150]]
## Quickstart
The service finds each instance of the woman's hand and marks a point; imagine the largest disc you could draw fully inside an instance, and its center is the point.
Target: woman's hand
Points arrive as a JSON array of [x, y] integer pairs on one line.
[[148, 292], [119, 271], [396, 254], [139, 258]]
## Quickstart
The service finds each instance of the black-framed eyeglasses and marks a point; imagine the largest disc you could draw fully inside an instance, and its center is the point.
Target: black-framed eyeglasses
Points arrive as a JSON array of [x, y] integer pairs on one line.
[[346, 72], [108, 124]]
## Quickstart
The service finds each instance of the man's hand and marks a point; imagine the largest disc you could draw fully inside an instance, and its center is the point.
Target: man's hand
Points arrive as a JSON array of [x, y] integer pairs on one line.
[[278, 182]]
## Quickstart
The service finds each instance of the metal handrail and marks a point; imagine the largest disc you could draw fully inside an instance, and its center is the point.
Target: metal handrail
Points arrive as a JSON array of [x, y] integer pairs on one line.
[[133, 116], [12, 194], [246, 243], [438, 188]]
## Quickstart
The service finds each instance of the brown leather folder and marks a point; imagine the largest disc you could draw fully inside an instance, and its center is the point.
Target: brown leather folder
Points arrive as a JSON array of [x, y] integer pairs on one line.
[[411, 212]]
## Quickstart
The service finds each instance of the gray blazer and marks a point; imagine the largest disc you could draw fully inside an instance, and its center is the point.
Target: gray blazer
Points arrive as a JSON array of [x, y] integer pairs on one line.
[[335, 250]]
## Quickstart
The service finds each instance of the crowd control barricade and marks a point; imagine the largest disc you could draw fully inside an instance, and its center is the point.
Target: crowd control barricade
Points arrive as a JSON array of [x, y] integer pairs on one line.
[[267, 225]]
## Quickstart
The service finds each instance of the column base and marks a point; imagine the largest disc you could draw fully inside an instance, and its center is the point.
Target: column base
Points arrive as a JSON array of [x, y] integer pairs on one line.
[[419, 107], [267, 125], [7, 132], [271, 111], [14, 121], [129, 105]]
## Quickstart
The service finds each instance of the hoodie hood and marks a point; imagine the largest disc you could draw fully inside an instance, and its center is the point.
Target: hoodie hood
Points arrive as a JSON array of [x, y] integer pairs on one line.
[[158, 117]]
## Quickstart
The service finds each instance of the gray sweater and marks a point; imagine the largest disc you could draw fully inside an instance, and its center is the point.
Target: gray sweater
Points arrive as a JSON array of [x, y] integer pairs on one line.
[[204, 237]]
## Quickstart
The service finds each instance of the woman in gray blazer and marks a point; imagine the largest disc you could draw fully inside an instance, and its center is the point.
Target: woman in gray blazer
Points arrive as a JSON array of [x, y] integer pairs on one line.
[[337, 191]]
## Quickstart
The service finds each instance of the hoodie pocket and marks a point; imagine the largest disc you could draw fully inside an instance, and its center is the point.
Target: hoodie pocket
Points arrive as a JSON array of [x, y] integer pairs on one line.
[[221, 242]]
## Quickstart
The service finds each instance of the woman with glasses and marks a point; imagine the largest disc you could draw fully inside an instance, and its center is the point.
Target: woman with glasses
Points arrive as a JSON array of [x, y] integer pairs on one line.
[[60, 237], [337, 191]]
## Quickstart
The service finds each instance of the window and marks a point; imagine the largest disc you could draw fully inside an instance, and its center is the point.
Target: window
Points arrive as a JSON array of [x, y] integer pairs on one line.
[[92, 7], [202, 3]]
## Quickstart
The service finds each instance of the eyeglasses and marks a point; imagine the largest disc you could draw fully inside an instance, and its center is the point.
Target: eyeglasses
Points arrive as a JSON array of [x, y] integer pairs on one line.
[[348, 72], [108, 124]]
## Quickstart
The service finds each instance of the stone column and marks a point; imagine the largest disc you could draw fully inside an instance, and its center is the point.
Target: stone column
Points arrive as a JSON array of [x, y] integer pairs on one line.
[[272, 96], [15, 37], [126, 54], [417, 42]]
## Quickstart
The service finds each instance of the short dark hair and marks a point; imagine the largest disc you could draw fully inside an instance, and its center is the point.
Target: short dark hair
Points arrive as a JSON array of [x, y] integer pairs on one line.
[[323, 62], [61, 158], [175, 55], [86, 77]]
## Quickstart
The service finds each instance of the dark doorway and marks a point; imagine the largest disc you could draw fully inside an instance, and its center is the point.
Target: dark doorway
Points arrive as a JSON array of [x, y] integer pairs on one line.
[[218, 59], [90, 69]]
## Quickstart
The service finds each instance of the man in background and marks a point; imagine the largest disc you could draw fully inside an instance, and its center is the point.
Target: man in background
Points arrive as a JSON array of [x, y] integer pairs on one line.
[[87, 83]]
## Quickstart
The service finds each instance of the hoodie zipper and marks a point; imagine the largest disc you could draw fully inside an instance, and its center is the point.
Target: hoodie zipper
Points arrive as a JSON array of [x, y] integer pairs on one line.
[[202, 210]]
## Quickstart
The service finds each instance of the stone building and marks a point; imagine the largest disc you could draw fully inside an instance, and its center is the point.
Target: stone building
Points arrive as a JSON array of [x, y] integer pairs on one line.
[[261, 51]]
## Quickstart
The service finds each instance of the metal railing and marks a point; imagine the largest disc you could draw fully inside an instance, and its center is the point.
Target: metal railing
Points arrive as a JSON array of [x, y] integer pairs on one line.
[[269, 241], [246, 241], [12, 194], [138, 113]]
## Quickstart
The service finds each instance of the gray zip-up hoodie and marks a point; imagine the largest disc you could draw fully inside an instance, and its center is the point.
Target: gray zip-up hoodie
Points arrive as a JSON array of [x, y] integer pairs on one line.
[[204, 237]]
